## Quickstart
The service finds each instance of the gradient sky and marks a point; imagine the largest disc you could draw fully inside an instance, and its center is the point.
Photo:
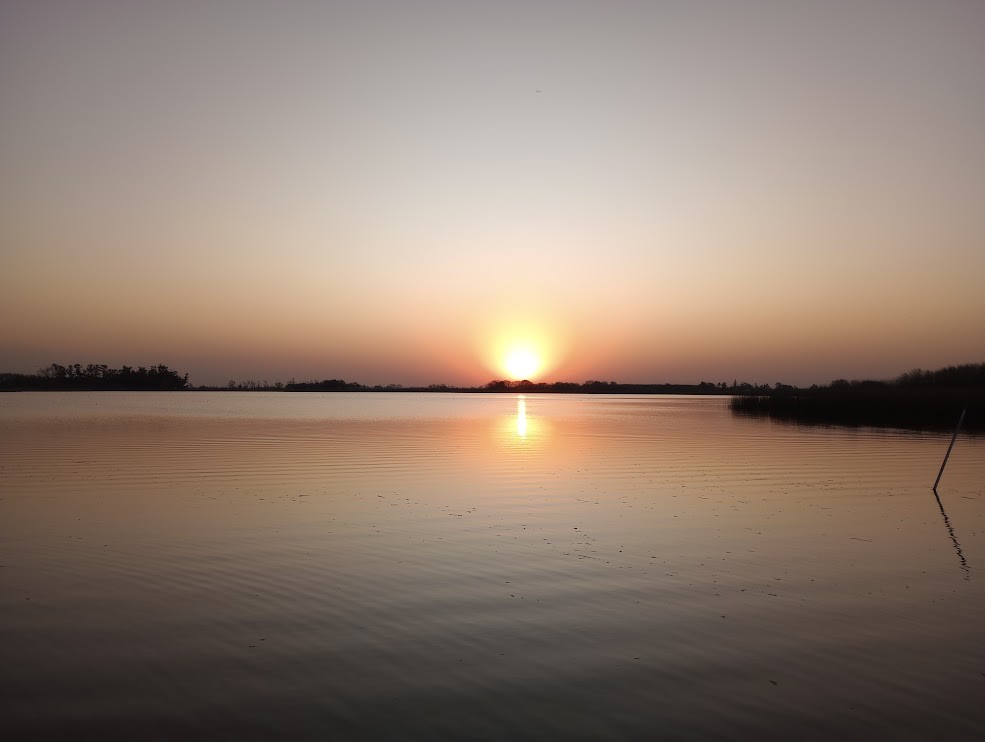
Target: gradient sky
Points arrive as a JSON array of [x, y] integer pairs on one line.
[[401, 191]]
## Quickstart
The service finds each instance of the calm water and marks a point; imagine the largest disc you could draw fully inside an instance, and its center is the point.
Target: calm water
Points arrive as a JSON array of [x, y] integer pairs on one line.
[[349, 566]]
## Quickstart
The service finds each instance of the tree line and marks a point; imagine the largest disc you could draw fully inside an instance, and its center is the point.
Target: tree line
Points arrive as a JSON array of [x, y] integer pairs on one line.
[[96, 377], [101, 377], [593, 386]]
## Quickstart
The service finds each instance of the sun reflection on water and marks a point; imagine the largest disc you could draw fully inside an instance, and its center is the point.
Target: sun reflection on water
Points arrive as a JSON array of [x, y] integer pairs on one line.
[[521, 416], [521, 429]]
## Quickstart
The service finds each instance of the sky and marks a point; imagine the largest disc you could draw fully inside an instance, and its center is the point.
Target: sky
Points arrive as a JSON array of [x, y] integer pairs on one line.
[[410, 192]]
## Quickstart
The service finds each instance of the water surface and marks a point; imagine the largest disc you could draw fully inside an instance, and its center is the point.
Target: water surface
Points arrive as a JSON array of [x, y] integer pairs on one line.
[[360, 566]]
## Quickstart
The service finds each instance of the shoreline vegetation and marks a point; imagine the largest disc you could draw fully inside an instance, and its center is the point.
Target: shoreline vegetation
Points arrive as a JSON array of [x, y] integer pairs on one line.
[[100, 377], [917, 400]]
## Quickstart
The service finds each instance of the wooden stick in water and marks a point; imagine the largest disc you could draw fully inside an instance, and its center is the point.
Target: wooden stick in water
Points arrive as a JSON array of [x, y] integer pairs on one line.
[[953, 438]]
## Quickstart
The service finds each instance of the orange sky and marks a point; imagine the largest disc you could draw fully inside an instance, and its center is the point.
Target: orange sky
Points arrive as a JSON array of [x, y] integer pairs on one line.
[[395, 192]]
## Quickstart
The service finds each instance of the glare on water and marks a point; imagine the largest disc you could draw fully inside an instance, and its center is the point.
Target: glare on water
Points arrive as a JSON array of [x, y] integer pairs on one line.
[[487, 566]]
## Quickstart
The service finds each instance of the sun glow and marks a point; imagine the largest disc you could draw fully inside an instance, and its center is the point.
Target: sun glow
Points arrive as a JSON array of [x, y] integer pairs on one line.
[[521, 363], [524, 345]]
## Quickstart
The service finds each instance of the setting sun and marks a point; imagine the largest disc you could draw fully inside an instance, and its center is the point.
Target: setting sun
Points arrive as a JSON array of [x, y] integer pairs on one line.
[[521, 364], [527, 342]]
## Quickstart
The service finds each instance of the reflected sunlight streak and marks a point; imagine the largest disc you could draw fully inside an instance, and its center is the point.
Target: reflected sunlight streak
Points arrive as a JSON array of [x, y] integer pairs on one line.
[[522, 429]]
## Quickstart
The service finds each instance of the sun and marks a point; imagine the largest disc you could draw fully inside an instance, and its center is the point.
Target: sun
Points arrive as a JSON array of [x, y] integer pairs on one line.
[[521, 363], [519, 346]]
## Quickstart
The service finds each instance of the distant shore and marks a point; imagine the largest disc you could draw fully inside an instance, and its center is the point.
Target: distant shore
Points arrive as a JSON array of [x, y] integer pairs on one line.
[[558, 388], [93, 378], [916, 400]]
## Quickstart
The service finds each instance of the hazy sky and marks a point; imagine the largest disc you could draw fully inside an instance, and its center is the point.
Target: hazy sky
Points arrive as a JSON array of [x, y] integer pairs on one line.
[[402, 191]]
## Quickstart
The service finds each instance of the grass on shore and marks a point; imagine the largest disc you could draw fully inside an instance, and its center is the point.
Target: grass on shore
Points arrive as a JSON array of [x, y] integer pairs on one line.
[[913, 408]]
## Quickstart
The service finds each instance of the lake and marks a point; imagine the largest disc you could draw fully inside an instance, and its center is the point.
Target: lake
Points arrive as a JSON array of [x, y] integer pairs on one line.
[[430, 566]]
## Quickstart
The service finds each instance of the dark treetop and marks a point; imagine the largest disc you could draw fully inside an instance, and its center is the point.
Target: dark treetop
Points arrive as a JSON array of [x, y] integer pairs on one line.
[[95, 377]]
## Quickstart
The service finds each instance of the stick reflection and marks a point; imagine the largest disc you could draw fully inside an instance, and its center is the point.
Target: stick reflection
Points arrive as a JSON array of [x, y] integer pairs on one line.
[[954, 539]]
